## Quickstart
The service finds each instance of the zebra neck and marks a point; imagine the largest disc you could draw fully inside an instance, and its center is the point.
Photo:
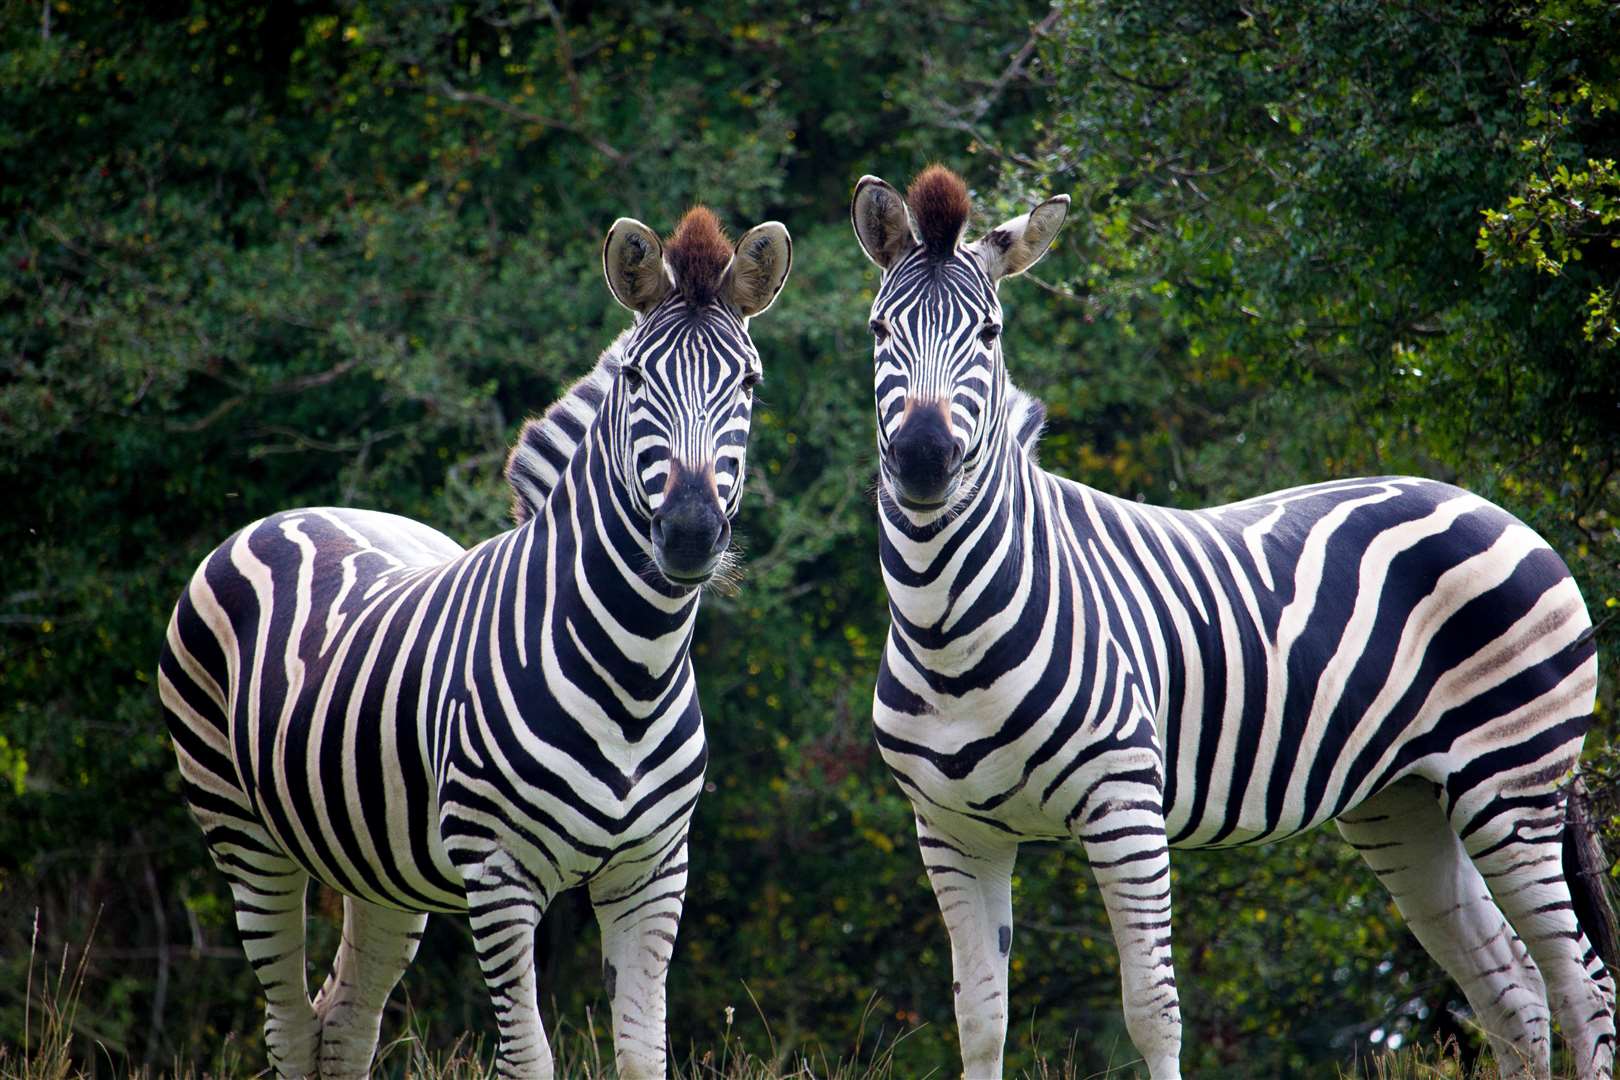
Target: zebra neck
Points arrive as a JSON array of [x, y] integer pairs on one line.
[[598, 609], [959, 586]]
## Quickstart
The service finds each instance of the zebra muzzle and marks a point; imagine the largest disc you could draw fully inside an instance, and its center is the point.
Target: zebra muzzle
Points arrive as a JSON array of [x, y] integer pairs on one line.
[[923, 460], [689, 532]]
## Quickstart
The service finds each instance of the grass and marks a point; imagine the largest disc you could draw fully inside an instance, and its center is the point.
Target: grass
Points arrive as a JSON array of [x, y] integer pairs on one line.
[[50, 1039], [52, 1043], [53, 1007], [578, 1052]]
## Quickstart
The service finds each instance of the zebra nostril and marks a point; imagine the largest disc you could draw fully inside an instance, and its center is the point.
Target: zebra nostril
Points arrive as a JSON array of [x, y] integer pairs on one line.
[[954, 462], [658, 528]]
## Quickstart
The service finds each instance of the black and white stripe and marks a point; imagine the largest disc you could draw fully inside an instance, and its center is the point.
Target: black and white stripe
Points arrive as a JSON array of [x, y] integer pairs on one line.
[[354, 698], [1393, 653]]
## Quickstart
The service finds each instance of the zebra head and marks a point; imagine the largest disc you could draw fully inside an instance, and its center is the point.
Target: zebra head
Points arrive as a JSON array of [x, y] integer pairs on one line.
[[684, 390], [936, 329]]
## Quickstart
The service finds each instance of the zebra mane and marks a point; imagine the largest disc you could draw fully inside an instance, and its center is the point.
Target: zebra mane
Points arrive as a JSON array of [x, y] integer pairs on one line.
[[1026, 417], [697, 256], [547, 442], [940, 206]]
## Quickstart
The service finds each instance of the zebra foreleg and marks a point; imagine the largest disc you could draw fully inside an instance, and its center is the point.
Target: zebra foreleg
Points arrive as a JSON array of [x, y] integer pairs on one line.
[[972, 881], [1517, 845], [1405, 838], [640, 912], [504, 909], [378, 944], [1125, 843]]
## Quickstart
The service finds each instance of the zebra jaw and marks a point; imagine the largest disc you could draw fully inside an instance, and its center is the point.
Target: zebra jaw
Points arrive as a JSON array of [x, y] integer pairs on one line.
[[688, 581], [926, 506]]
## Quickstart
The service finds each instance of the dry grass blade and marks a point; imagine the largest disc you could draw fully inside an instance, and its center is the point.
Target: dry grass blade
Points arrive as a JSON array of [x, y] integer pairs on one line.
[[56, 1008]]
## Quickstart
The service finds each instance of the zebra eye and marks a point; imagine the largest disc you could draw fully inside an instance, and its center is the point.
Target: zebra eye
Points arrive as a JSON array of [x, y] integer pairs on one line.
[[751, 380], [988, 334], [880, 330], [633, 378]]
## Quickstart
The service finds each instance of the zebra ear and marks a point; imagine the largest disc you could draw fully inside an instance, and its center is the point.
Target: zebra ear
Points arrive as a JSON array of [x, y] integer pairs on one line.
[[882, 221], [759, 268], [1019, 244], [633, 263]]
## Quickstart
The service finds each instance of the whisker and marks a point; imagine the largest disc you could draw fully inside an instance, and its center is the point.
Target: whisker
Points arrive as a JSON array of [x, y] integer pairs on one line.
[[728, 573]]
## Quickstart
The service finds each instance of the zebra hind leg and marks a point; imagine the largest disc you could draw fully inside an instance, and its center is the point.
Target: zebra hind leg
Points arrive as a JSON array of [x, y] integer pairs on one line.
[[269, 894], [1516, 841], [267, 887], [1404, 836], [378, 944]]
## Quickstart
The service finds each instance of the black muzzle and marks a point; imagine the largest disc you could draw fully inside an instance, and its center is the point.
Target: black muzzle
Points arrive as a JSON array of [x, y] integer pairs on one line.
[[689, 531], [923, 459]]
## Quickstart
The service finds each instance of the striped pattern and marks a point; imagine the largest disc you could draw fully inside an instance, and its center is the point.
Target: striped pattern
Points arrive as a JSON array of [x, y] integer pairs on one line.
[[354, 698], [547, 443], [687, 416], [1393, 653]]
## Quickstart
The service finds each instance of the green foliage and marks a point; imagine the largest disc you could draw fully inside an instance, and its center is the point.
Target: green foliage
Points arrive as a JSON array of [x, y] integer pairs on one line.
[[334, 253], [1278, 281], [1566, 201]]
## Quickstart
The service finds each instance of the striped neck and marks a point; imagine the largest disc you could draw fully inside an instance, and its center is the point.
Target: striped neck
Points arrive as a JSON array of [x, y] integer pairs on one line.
[[595, 603], [952, 576]]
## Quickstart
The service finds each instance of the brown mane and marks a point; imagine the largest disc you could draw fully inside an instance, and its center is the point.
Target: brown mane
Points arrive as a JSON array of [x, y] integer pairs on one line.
[[940, 206], [698, 254]]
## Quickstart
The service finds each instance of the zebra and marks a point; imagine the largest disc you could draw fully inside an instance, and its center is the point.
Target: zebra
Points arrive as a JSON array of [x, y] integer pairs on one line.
[[353, 698], [1393, 654]]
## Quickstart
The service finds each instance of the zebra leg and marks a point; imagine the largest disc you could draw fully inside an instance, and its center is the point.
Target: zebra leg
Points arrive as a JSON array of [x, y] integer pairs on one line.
[[504, 908], [267, 887], [1516, 841], [972, 881], [639, 913], [1405, 838], [270, 918], [1126, 845], [378, 944]]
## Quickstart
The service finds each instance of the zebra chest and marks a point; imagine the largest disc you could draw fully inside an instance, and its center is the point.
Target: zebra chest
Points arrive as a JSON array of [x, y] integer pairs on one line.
[[1021, 752], [973, 757], [996, 796], [567, 798]]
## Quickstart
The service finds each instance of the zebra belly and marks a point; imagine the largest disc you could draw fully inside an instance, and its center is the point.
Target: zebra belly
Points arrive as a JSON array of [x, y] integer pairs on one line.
[[360, 816], [1049, 802]]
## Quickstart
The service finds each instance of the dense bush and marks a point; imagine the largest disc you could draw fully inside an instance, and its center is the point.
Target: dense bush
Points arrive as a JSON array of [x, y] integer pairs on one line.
[[334, 253]]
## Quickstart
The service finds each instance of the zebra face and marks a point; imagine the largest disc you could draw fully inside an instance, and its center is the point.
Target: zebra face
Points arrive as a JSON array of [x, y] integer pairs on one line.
[[936, 329], [687, 373], [939, 380], [688, 380]]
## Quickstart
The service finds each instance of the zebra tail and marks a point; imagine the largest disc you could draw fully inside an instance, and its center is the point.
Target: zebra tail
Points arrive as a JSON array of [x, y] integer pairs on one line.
[[1586, 868]]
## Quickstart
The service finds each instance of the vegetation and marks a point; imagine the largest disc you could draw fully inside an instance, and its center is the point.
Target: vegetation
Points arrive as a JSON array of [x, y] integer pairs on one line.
[[332, 252]]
